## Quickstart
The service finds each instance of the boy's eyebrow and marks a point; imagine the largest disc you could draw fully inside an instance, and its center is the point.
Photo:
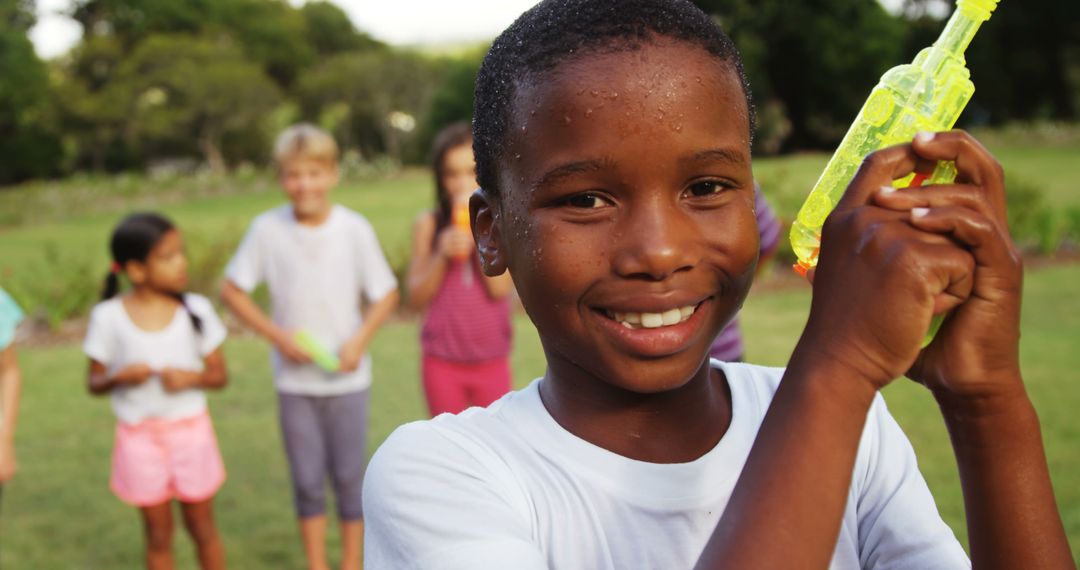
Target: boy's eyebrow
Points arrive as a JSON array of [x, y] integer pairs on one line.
[[721, 154], [572, 168]]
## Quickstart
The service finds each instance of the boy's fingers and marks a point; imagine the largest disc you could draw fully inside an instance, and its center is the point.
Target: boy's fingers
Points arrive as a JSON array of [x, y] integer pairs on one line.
[[879, 169], [990, 248], [939, 196], [974, 164]]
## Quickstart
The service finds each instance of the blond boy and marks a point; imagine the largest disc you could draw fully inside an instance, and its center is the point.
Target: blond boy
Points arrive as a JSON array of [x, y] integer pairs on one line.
[[320, 262]]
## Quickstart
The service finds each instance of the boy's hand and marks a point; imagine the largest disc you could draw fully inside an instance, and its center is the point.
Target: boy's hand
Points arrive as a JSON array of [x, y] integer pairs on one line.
[[349, 356], [134, 374], [455, 243], [286, 344], [175, 379], [886, 269], [975, 353]]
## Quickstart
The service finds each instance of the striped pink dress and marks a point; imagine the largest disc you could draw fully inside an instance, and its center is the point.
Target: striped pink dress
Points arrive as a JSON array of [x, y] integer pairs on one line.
[[464, 324]]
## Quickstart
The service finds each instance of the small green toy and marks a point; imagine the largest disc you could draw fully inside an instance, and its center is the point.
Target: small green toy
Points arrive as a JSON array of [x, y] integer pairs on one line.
[[322, 357]]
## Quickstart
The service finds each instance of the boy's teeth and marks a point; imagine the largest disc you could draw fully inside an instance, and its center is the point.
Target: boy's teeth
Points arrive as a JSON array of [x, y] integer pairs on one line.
[[653, 320], [671, 317]]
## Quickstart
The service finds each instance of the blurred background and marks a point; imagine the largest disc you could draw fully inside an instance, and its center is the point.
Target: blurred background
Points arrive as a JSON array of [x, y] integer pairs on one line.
[[109, 106]]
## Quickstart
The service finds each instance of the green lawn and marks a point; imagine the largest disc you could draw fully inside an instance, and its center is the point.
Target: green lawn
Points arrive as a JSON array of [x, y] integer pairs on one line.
[[59, 512]]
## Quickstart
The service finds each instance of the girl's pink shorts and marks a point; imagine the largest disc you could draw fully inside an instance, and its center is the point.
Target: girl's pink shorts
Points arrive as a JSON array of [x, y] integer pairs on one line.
[[157, 460]]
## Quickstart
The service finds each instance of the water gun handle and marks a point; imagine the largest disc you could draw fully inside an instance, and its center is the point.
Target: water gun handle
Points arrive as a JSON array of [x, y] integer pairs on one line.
[[322, 357]]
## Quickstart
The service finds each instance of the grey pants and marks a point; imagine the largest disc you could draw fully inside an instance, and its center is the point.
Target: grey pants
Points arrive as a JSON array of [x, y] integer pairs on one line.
[[326, 435]]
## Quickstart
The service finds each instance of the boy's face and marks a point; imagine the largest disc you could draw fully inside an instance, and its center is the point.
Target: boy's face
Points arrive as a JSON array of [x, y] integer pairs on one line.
[[307, 182], [627, 213]]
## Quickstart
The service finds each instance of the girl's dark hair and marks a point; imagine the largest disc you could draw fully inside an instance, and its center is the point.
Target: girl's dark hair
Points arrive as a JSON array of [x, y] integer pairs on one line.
[[449, 138], [133, 240], [556, 31]]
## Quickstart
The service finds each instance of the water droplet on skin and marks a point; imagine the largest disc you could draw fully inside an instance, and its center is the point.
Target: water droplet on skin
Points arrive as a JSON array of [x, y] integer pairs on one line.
[[594, 92], [677, 128], [522, 128], [517, 156], [588, 113], [697, 78], [566, 119], [581, 91]]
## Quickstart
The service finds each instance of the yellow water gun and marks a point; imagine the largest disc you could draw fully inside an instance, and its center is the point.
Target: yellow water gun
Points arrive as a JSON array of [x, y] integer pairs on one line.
[[927, 94]]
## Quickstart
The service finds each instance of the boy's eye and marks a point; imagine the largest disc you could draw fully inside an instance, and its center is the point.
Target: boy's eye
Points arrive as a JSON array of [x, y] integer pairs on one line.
[[586, 200], [706, 187]]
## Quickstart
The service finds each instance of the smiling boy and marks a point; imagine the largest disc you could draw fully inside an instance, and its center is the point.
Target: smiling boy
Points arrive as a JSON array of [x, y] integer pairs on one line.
[[613, 148]]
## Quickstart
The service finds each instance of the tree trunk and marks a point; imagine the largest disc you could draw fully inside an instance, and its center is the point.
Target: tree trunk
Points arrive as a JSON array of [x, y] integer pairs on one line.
[[211, 149]]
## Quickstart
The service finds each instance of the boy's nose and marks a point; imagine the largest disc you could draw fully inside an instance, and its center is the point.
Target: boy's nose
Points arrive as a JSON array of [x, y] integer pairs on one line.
[[653, 243]]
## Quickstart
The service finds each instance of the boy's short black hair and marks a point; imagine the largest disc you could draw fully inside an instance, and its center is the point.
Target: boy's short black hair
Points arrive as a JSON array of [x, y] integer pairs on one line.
[[554, 31]]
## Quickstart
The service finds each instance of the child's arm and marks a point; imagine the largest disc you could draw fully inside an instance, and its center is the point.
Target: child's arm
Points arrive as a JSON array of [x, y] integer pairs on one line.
[[99, 382], [885, 270], [353, 349], [428, 265], [243, 306], [10, 385], [212, 377]]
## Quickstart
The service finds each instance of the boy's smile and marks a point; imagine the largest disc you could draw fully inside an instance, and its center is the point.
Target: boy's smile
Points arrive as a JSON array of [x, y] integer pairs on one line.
[[626, 212]]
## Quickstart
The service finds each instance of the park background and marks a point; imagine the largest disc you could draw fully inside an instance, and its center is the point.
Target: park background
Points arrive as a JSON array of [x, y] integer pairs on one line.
[[172, 105]]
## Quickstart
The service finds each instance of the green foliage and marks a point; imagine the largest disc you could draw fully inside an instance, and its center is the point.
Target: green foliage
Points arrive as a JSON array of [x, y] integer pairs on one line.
[[28, 139], [183, 88], [270, 33], [356, 93], [815, 60], [329, 30], [452, 100], [59, 285]]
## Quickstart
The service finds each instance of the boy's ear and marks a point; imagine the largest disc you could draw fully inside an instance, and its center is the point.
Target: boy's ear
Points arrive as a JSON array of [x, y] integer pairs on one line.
[[487, 231]]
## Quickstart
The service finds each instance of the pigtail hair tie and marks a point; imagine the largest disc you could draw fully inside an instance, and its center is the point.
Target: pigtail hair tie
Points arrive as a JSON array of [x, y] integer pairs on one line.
[[114, 268]]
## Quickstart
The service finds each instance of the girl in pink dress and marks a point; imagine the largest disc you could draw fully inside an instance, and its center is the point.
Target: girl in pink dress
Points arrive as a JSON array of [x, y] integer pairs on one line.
[[466, 331]]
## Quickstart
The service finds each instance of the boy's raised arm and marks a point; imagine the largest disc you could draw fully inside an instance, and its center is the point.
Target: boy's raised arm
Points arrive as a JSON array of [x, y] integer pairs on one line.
[[891, 259]]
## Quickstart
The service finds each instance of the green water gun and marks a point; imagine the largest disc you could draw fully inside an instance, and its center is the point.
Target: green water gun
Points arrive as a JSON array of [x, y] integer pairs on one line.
[[926, 95], [322, 357]]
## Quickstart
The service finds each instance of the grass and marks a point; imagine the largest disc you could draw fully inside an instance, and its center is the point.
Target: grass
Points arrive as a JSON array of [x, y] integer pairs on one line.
[[58, 512]]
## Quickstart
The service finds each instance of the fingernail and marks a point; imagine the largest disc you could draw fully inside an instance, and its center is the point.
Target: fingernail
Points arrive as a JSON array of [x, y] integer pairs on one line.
[[887, 190], [919, 212], [924, 136]]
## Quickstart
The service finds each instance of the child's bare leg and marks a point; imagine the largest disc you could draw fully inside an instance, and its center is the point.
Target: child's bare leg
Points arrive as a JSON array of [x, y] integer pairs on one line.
[[313, 534], [352, 544], [199, 520], [158, 527]]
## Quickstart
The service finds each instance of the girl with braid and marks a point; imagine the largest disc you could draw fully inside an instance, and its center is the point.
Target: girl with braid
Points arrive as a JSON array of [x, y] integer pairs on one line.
[[155, 349]]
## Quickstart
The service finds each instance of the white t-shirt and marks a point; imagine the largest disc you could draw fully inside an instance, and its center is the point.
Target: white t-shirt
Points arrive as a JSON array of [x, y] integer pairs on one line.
[[507, 487], [317, 277], [115, 341]]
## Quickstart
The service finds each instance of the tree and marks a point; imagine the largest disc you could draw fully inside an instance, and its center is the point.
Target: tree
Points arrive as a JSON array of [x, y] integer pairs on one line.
[[452, 100], [183, 88], [361, 95], [29, 146], [817, 58], [330, 31]]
